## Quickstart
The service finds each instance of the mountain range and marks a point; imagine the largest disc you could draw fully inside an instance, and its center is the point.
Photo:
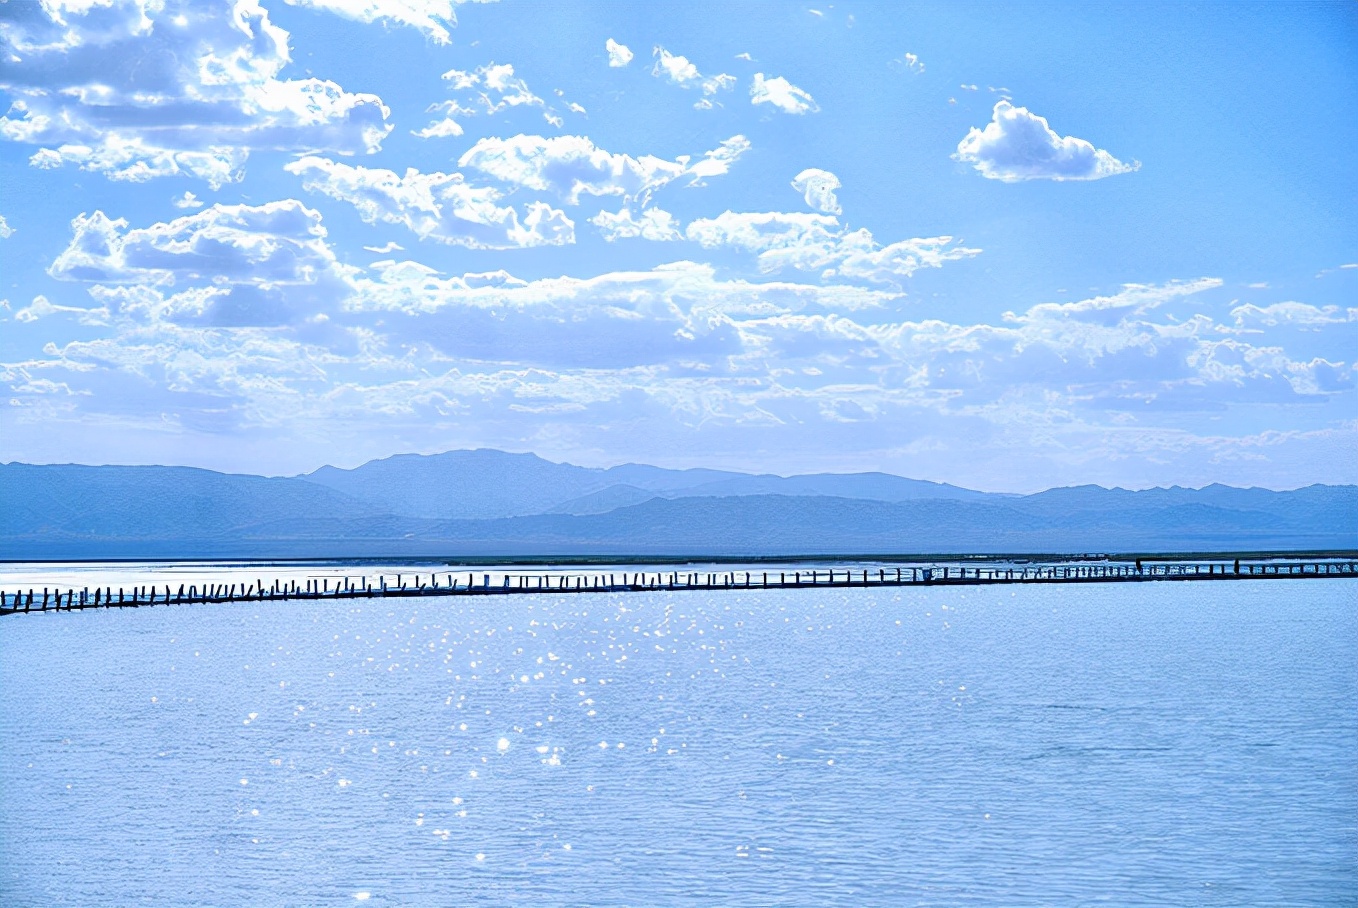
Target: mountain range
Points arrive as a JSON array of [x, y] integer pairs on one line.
[[487, 503]]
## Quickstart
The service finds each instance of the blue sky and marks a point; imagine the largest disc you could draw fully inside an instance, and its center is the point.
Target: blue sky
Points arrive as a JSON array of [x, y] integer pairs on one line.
[[1008, 248]]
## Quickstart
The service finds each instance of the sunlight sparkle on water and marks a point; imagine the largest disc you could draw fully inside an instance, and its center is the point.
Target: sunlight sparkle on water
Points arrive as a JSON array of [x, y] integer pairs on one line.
[[831, 748]]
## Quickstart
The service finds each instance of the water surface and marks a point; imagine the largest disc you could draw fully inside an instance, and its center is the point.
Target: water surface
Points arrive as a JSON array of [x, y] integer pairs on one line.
[[1148, 744]]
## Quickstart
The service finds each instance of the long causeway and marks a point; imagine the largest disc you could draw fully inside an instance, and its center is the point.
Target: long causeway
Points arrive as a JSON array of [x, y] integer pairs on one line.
[[445, 583]]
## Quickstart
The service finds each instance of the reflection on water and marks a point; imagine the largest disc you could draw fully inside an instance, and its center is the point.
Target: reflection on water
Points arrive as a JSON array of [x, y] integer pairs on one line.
[[985, 746]]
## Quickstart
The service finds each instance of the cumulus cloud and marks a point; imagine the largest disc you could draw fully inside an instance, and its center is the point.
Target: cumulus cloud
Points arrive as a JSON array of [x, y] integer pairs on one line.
[[679, 71], [913, 63], [1018, 145], [279, 242], [818, 188], [618, 54], [392, 339], [437, 206], [817, 242], [782, 94], [653, 224], [400, 346], [432, 17], [763, 231], [147, 88], [570, 166], [6, 231], [187, 201], [227, 265]]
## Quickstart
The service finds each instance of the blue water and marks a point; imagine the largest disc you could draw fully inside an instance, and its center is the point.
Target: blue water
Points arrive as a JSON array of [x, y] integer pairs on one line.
[[1175, 744]]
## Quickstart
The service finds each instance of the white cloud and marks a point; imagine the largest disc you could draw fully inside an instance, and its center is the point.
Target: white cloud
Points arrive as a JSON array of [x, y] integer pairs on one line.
[[654, 224], [1290, 314], [6, 231], [41, 307], [437, 206], [149, 88], [432, 17], [400, 348], [276, 243], [679, 71], [1349, 266], [684, 290], [763, 231], [570, 166], [618, 54], [782, 94], [187, 201], [718, 161], [227, 265], [913, 63], [448, 126], [495, 85], [817, 242], [1018, 145], [385, 248], [818, 188], [487, 89]]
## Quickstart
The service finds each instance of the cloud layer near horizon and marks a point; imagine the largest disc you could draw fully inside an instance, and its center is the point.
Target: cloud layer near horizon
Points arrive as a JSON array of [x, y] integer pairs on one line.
[[278, 334]]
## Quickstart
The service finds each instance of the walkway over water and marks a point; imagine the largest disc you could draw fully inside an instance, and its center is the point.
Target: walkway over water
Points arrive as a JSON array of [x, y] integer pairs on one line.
[[474, 584]]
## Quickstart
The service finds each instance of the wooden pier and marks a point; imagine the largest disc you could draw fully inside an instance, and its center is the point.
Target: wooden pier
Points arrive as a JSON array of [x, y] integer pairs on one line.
[[470, 584]]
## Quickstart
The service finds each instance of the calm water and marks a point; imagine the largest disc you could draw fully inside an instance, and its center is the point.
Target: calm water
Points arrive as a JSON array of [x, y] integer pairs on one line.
[[1176, 744]]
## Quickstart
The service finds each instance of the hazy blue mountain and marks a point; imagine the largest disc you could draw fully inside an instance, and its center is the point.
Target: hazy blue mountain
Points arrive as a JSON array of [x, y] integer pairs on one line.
[[659, 479], [605, 500], [874, 486], [487, 484], [74, 502], [774, 524], [870, 486], [130, 512], [463, 484], [1315, 499]]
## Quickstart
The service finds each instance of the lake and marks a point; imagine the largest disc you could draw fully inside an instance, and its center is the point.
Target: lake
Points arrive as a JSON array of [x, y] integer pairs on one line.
[[1137, 744]]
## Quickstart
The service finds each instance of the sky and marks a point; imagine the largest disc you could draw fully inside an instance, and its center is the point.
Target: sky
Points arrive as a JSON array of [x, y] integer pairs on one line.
[[1004, 246]]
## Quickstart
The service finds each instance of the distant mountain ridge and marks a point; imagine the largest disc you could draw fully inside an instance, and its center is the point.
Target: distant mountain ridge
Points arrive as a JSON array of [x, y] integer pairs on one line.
[[485, 483], [489, 503]]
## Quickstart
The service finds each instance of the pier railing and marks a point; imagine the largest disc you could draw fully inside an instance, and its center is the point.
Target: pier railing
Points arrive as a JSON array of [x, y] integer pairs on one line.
[[470, 584]]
